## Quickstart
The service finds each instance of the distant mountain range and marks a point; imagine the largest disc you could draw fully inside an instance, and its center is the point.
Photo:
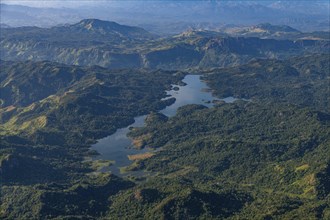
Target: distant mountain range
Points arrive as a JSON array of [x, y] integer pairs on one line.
[[265, 29], [112, 45], [269, 31], [172, 17]]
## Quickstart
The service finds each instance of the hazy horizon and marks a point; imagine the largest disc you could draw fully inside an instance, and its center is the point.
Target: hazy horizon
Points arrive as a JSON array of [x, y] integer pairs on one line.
[[75, 3], [168, 17]]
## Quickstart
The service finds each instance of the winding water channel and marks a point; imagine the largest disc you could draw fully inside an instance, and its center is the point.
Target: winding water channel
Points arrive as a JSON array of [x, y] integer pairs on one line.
[[118, 146]]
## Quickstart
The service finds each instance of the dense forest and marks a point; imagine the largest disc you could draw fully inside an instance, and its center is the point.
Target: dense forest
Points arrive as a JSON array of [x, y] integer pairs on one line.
[[264, 156], [52, 113]]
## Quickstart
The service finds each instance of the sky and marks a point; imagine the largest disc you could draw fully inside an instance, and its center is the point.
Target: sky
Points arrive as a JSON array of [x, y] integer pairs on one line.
[[55, 3], [77, 3]]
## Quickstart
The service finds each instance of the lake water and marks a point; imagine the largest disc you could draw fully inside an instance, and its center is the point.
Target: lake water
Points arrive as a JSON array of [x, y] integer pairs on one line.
[[118, 146]]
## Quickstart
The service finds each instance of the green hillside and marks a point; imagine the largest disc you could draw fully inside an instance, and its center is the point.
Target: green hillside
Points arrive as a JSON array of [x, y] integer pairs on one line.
[[264, 158]]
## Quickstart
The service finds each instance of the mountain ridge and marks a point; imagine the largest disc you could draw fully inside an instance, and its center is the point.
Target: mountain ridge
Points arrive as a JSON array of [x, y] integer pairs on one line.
[[112, 45], [97, 26]]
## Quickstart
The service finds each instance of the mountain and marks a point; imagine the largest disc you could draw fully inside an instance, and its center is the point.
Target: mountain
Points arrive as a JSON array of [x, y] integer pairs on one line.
[[195, 33], [267, 31], [280, 32], [97, 26], [112, 45], [40, 99], [86, 30], [164, 17], [275, 28], [23, 83]]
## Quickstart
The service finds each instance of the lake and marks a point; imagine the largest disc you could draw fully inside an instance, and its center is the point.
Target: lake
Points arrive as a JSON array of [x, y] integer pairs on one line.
[[118, 146]]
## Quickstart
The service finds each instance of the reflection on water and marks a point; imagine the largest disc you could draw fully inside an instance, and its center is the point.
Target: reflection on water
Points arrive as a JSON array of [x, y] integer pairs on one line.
[[194, 92], [117, 146]]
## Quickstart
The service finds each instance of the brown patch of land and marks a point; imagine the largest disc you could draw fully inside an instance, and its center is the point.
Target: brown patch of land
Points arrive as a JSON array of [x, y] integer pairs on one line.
[[140, 142], [140, 156], [8, 108]]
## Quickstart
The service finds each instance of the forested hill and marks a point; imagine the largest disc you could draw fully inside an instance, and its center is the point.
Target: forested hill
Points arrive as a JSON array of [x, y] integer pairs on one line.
[[244, 160], [50, 115], [267, 157], [302, 81]]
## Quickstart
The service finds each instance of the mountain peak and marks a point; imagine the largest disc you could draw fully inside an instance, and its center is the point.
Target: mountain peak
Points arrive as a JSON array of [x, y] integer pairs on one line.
[[96, 24], [275, 28], [101, 27], [200, 33]]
